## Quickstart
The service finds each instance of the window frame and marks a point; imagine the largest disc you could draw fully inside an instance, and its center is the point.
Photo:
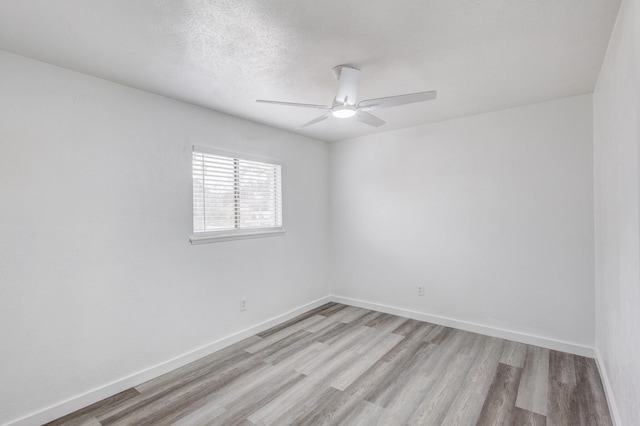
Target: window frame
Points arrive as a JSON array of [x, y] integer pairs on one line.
[[236, 233]]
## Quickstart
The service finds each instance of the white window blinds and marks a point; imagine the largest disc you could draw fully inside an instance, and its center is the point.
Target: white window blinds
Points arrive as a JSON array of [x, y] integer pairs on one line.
[[235, 194]]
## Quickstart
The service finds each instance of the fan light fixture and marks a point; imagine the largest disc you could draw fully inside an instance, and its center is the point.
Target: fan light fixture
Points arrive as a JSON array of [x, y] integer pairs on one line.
[[343, 112]]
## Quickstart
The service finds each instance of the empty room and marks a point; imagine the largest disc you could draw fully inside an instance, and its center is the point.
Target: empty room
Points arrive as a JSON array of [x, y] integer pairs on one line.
[[363, 212]]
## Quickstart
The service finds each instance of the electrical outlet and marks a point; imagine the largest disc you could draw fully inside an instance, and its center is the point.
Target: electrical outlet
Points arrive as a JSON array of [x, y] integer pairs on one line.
[[420, 290], [243, 305]]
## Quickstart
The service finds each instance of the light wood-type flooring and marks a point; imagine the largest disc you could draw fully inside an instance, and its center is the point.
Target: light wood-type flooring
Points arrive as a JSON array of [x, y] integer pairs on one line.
[[343, 365]]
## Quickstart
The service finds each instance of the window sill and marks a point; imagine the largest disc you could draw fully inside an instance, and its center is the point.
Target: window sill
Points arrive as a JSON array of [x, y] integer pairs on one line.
[[228, 236]]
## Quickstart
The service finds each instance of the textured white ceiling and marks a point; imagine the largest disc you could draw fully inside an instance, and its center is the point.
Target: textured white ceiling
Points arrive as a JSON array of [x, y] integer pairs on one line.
[[481, 55]]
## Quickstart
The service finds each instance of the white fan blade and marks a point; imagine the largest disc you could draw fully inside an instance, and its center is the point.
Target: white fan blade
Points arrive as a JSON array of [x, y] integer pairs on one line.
[[293, 104], [348, 88], [373, 104], [316, 120], [369, 119]]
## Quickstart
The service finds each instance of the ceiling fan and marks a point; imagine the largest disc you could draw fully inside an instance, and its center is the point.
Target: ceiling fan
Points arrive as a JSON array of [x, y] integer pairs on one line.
[[344, 104]]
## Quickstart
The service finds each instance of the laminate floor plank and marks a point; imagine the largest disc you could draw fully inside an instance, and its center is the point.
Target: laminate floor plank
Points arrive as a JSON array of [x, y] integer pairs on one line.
[[378, 383], [500, 403], [469, 342], [376, 339], [562, 407], [413, 337], [435, 406], [330, 410], [230, 354], [529, 418], [370, 380], [386, 323], [367, 358], [353, 337], [270, 348], [398, 378], [332, 310], [366, 318], [414, 386], [239, 409], [342, 407], [295, 362], [149, 409], [250, 389], [561, 367], [533, 391], [408, 327], [85, 421], [296, 320], [468, 403], [294, 415], [289, 404], [320, 325], [363, 413], [201, 416], [592, 404], [349, 314], [441, 333], [280, 335], [213, 377], [87, 415], [514, 354], [294, 352], [334, 347], [342, 365], [429, 378], [384, 390], [331, 331]]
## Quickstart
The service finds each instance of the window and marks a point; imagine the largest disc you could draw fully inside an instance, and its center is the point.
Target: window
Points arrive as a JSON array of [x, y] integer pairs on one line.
[[234, 196]]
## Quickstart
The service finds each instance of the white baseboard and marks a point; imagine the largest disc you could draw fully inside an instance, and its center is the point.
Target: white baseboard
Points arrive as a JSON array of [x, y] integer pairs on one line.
[[516, 336], [611, 402], [72, 404]]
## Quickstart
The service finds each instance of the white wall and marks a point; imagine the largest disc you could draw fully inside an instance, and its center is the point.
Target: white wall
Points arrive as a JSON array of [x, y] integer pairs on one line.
[[616, 136], [492, 213], [97, 277]]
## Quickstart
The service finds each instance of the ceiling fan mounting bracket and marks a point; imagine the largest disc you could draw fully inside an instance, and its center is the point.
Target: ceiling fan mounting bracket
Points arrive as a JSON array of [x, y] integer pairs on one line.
[[338, 69]]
